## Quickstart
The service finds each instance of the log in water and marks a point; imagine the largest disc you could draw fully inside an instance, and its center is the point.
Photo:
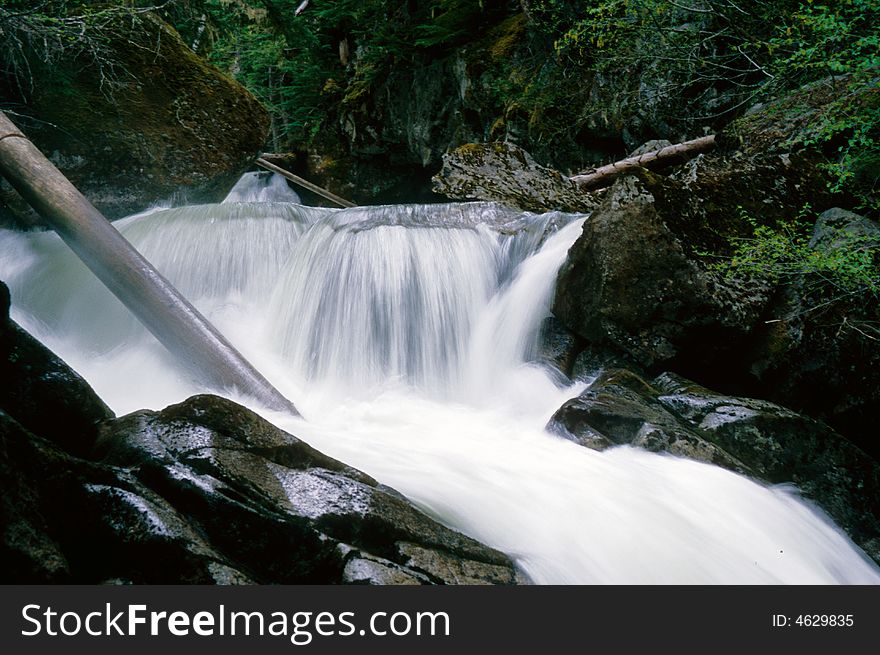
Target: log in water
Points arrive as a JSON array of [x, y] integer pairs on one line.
[[149, 296]]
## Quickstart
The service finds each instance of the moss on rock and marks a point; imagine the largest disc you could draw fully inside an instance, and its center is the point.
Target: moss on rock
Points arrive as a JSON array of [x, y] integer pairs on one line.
[[153, 120]]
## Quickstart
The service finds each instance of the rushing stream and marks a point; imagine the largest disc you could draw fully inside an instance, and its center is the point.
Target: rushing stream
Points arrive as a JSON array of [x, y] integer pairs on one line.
[[406, 336]]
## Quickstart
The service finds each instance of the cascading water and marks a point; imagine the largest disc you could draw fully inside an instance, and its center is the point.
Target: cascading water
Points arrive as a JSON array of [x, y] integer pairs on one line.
[[405, 335], [261, 186]]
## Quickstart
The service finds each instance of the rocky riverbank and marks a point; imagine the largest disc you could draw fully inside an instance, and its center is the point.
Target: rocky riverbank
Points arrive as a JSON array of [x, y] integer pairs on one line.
[[649, 284], [642, 304], [202, 492]]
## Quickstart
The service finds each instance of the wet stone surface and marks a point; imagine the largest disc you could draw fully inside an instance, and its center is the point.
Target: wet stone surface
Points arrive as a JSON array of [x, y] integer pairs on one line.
[[756, 437]]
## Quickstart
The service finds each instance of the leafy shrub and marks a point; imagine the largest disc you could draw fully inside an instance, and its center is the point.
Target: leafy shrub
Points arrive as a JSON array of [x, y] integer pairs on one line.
[[840, 39], [846, 265]]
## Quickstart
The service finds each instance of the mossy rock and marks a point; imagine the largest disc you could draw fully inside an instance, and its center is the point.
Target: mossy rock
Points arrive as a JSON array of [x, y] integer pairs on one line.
[[152, 122]]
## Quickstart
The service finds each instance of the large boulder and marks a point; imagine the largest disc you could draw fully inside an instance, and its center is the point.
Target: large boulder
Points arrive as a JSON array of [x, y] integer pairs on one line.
[[631, 282], [146, 120], [207, 492], [756, 437], [281, 511]]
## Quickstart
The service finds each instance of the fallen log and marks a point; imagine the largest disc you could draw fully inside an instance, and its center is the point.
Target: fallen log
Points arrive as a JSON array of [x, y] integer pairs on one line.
[[296, 179], [150, 297], [605, 175]]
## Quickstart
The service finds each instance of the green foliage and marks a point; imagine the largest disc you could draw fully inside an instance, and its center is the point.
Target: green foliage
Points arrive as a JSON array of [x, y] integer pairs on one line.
[[705, 60], [562, 70], [306, 67], [846, 264], [841, 40]]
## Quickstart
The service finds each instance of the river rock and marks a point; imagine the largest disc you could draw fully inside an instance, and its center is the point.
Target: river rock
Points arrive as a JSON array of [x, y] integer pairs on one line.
[[756, 437], [620, 408], [153, 122], [630, 282], [207, 492], [504, 172]]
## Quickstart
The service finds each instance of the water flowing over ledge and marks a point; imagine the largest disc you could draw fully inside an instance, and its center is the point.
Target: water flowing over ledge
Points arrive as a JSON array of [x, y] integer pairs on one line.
[[407, 336]]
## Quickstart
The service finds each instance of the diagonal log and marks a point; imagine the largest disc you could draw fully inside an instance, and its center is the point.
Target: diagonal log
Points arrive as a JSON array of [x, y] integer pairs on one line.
[[150, 297], [605, 175], [296, 179]]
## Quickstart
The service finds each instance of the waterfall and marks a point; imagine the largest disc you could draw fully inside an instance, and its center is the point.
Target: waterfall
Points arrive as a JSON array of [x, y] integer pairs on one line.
[[261, 186], [407, 337]]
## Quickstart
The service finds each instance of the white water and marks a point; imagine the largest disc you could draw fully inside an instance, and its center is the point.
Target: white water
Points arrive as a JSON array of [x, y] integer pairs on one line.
[[404, 335], [261, 186]]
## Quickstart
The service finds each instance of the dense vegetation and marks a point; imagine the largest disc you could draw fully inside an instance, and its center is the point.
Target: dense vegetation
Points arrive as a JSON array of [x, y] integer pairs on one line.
[[559, 74], [572, 80]]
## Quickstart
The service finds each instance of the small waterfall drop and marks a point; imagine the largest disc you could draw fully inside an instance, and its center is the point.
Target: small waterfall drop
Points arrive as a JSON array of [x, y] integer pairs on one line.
[[406, 336], [261, 186]]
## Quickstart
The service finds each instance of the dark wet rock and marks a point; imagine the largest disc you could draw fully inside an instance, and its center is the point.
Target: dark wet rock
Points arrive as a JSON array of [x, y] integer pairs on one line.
[[504, 172], [630, 283], [620, 408], [156, 121], [558, 346], [776, 445], [43, 393], [279, 509], [28, 551], [593, 359], [208, 492], [67, 520]]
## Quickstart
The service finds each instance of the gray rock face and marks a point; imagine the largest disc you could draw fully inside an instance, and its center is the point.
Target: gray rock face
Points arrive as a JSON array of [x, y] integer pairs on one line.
[[839, 228], [755, 437], [503, 172]]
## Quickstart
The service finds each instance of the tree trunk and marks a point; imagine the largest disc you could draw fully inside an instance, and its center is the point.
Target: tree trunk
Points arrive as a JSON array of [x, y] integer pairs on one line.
[[131, 278], [605, 175]]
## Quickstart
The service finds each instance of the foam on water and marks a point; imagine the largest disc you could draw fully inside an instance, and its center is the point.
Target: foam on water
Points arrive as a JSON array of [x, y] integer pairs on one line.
[[406, 336]]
